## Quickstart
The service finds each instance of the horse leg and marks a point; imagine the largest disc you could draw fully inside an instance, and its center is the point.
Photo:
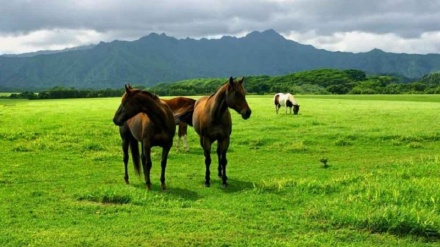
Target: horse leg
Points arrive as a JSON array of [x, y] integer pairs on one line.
[[206, 145], [183, 130], [163, 164], [125, 144], [219, 155], [185, 142], [222, 148], [146, 163], [178, 143], [277, 107]]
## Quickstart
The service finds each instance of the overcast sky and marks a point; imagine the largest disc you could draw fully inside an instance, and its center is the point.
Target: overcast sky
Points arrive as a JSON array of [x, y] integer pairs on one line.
[[400, 26]]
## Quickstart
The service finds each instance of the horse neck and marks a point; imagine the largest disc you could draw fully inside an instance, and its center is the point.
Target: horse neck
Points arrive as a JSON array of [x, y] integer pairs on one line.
[[292, 99], [154, 109], [219, 99]]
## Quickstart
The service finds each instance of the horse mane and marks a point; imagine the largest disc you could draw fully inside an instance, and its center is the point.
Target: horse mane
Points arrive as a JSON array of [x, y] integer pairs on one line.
[[148, 94], [151, 95], [220, 103], [292, 99]]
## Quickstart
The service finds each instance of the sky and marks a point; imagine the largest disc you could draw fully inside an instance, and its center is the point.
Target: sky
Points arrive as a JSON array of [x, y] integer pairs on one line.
[[398, 26]]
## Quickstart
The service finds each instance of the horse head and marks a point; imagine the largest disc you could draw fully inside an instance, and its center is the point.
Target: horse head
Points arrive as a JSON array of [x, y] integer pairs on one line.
[[235, 98], [295, 109], [128, 107]]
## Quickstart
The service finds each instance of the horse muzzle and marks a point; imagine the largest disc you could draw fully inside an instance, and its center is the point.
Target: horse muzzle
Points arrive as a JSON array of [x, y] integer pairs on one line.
[[246, 114], [118, 121]]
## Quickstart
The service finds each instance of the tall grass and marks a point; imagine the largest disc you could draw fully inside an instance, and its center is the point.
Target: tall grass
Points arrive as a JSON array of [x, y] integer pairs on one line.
[[61, 177]]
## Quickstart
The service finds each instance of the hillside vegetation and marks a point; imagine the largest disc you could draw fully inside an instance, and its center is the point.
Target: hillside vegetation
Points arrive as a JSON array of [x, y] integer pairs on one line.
[[322, 81]]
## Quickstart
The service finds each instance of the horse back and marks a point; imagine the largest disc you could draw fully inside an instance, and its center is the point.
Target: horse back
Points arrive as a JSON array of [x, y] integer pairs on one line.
[[177, 103]]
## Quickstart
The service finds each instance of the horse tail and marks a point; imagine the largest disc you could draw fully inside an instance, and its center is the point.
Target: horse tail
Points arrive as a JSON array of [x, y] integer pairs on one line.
[[134, 146], [185, 116], [276, 99]]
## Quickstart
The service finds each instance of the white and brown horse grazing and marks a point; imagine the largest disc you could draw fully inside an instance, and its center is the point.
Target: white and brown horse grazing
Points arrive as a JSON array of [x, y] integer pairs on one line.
[[212, 121], [150, 121], [286, 100], [179, 105]]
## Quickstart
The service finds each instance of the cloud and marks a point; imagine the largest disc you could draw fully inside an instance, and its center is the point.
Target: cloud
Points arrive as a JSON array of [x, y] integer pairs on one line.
[[43, 24]]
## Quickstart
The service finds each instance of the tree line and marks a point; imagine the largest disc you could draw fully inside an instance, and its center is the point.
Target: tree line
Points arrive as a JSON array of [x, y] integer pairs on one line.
[[67, 93], [321, 81]]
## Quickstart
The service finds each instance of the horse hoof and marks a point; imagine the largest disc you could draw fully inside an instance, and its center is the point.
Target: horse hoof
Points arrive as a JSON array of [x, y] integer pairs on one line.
[[163, 186], [148, 187], [207, 184]]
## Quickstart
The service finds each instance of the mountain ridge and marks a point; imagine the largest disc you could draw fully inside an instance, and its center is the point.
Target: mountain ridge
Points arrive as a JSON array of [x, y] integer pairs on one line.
[[158, 58]]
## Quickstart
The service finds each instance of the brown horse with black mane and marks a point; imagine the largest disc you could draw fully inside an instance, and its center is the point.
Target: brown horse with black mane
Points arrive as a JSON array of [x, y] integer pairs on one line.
[[178, 106], [212, 121], [150, 121]]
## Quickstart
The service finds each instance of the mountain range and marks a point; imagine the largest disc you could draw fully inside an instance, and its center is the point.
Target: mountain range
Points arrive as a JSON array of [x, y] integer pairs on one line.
[[158, 58]]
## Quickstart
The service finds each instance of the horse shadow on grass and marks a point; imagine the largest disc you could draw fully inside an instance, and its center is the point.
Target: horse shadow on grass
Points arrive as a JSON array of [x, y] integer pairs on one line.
[[181, 193], [234, 185]]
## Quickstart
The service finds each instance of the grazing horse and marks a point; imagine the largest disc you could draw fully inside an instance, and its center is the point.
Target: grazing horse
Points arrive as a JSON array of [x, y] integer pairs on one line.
[[212, 121], [151, 122], [286, 100], [178, 105]]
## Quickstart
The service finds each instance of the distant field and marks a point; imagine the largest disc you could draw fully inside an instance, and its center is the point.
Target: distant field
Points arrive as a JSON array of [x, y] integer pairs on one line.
[[61, 177], [385, 97], [5, 94]]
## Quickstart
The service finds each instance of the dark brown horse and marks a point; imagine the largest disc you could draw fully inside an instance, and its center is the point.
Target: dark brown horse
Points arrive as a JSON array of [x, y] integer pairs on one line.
[[151, 122], [178, 106], [212, 121]]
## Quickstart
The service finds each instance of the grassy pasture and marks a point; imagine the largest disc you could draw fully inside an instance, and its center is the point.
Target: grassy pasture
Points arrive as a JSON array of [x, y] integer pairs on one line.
[[61, 177]]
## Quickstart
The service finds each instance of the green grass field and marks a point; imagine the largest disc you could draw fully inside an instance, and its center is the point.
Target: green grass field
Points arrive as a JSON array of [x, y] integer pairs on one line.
[[61, 177]]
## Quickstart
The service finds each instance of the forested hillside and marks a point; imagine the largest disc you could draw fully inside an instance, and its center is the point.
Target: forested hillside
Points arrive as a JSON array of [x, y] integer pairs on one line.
[[161, 59], [321, 81]]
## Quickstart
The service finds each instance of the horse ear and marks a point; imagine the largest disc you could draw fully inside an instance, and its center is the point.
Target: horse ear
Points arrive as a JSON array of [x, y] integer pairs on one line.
[[231, 80], [127, 88], [242, 80]]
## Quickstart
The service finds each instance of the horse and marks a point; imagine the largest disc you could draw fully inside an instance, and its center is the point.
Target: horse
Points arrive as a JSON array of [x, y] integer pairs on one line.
[[151, 122], [179, 105], [286, 100], [212, 121]]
